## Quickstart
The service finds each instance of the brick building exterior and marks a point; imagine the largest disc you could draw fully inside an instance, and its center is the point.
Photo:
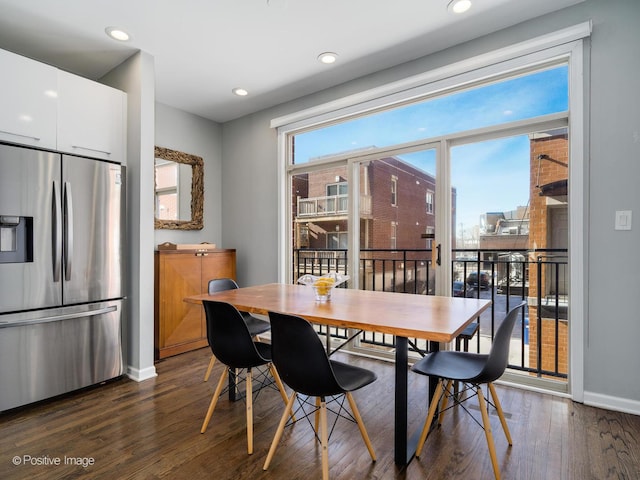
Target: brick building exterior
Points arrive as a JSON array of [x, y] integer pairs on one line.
[[397, 206], [542, 225], [549, 230]]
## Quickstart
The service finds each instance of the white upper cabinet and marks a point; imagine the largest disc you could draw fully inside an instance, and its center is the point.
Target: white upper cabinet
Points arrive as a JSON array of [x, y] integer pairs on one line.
[[91, 118], [28, 105], [44, 107]]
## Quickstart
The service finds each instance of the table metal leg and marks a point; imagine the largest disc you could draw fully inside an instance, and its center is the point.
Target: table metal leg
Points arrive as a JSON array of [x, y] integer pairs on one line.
[[401, 454], [433, 381], [405, 447], [328, 344]]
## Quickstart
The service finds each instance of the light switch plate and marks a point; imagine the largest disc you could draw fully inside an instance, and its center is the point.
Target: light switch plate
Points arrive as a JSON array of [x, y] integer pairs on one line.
[[623, 220]]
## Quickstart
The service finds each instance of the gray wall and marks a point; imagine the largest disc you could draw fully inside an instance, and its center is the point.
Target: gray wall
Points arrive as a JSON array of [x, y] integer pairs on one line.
[[179, 130], [249, 197], [612, 329], [136, 76]]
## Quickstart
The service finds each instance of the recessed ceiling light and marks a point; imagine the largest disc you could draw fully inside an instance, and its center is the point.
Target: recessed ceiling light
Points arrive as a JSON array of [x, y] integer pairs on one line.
[[327, 57], [459, 6], [241, 92], [117, 34]]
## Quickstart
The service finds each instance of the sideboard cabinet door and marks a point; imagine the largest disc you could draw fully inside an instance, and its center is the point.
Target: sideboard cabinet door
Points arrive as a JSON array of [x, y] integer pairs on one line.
[[181, 326]]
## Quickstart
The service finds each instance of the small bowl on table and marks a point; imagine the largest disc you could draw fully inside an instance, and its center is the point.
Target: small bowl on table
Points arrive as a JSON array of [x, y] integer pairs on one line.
[[323, 285]]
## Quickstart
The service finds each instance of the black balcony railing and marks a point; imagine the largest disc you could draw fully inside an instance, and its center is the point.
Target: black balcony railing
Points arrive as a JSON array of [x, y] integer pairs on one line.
[[506, 277]]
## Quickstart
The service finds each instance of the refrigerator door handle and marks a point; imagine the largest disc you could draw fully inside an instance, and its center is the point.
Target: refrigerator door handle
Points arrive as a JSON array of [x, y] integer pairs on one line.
[[56, 234], [56, 318], [68, 230]]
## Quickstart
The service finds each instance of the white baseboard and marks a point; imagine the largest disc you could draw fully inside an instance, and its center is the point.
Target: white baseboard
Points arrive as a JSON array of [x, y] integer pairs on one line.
[[612, 403], [141, 375]]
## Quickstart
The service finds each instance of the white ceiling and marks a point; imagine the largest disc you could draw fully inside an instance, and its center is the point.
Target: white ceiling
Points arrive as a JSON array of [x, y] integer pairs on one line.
[[205, 48]]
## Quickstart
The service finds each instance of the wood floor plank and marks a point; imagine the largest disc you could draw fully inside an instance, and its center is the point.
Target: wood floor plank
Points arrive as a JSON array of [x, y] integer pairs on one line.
[[151, 430]]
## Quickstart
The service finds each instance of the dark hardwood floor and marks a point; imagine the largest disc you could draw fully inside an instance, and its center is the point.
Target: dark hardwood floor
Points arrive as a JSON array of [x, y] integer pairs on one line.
[[151, 430]]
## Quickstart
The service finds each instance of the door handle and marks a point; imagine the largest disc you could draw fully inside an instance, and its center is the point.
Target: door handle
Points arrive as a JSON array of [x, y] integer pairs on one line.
[[435, 255], [37, 139], [68, 231], [56, 232], [107, 152]]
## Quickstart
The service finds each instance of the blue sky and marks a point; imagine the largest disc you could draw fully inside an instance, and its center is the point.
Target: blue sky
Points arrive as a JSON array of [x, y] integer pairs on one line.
[[488, 176]]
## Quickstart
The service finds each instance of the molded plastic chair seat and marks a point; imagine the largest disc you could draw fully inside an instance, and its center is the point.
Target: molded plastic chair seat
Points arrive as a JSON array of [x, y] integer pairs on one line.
[[232, 344], [350, 377], [474, 370], [304, 365], [255, 325], [460, 366]]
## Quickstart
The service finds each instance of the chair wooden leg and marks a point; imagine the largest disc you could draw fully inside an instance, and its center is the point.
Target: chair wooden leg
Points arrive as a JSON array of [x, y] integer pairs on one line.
[[283, 392], [280, 430], [316, 424], [363, 430], [324, 439], [209, 368], [503, 421], [487, 432], [249, 403], [445, 401], [214, 400], [433, 405]]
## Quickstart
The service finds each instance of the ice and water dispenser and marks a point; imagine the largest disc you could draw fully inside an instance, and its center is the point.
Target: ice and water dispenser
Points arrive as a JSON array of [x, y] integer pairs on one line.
[[16, 239]]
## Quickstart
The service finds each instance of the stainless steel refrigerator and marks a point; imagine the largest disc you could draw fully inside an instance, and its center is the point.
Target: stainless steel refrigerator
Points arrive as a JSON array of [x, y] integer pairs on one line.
[[61, 273]]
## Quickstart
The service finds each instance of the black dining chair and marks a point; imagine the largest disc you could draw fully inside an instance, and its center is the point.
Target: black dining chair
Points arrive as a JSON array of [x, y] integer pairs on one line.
[[233, 345], [303, 364], [473, 370], [255, 325]]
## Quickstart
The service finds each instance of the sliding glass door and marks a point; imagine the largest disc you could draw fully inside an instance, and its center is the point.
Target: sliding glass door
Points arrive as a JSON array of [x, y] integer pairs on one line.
[[462, 193], [511, 239], [398, 220]]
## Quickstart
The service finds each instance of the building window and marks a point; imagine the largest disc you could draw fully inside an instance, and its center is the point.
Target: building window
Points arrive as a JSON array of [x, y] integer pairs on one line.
[[334, 189], [337, 240], [394, 234], [337, 199], [394, 190], [430, 232], [429, 200], [303, 235]]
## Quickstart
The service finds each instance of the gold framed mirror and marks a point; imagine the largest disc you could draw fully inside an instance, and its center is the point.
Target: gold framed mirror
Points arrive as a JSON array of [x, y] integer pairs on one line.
[[179, 190]]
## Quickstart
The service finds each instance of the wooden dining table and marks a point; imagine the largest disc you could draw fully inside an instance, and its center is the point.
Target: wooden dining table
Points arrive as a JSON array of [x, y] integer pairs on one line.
[[435, 319]]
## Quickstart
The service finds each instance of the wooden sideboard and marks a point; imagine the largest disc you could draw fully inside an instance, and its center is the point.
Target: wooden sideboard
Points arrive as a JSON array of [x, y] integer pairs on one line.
[[180, 326]]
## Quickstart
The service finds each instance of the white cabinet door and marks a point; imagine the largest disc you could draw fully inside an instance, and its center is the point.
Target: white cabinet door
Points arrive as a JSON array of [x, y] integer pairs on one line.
[[91, 119], [28, 91]]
